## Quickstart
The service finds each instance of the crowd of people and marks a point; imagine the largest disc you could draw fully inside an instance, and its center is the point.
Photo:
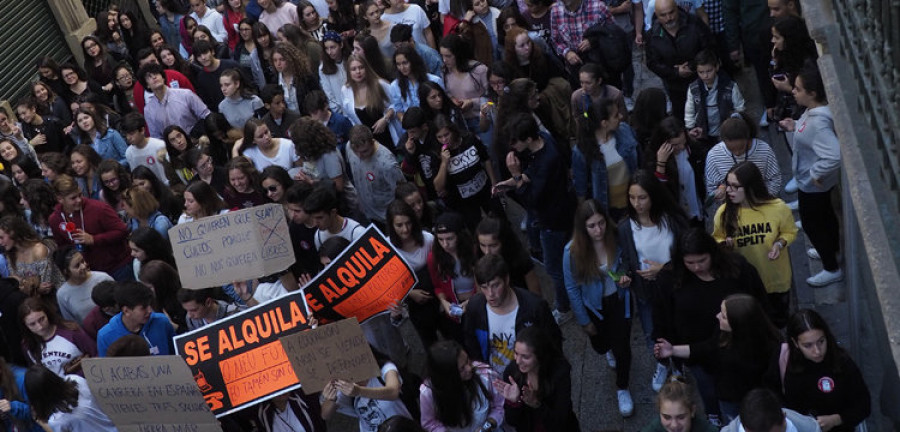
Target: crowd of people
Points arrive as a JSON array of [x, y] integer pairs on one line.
[[436, 122]]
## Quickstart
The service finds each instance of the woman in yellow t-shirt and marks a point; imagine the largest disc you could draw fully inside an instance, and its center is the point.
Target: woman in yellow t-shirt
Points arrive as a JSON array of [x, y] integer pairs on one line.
[[758, 226]]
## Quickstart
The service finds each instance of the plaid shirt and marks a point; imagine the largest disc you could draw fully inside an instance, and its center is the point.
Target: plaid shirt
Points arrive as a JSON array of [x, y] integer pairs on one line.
[[716, 14], [567, 27]]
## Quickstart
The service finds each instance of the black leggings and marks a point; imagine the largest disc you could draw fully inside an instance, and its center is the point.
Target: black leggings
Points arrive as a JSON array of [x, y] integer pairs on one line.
[[821, 225], [614, 332]]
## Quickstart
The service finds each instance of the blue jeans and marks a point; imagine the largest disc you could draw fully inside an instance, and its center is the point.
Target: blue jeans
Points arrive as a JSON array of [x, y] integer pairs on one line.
[[553, 243]]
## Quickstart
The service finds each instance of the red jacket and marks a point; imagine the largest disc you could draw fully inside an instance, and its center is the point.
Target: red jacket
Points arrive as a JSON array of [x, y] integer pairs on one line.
[[110, 250], [171, 76]]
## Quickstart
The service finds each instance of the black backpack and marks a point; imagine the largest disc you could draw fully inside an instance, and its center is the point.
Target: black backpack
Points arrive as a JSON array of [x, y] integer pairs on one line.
[[610, 47]]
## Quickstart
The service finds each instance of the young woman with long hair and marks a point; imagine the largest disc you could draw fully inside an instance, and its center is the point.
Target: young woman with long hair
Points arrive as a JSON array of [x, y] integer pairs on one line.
[[11, 131], [747, 207], [147, 244], [262, 149], [679, 161], [114, 180], [94, 131], [742, 350], [414, 244], [64, 403], [240, 103], [300, 38], [54, 164], [466, 79], [365, 101], [606, 155], [817, 167], [233, 15], [84, 163], [495, 237], [245, 52], [332, 73], [705, 274], [178, 141], [23, 168], [169, 204], [265, 47], [243, 189], [310, 21], [820, 379], [342, 17], [134, 31], [171, 59], [434, 101], [78, 83], [98, 63], [142, 210], [537, 385], [51, 342], [39, 201], [459, 394], [17, 412], [411, 71], [74, 296], [320, 158], [44, 132], [163, 279], [378, 29], [451, 265], [30, 260], [598, 292], [647, 237], [109, 34], [294, 74], [51, 103], [201, 200]]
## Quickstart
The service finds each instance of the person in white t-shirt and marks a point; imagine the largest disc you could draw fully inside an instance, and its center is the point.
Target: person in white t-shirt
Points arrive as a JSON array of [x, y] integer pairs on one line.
[[143, 151], [401, 12], [64, 403], [372, 401]]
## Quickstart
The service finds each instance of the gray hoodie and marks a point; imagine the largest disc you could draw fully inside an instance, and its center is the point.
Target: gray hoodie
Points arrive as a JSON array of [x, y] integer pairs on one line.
[[817, 152], [796, 423]]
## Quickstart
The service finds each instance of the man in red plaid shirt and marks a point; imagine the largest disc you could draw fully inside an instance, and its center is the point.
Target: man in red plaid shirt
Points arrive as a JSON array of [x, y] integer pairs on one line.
[[568, 21]]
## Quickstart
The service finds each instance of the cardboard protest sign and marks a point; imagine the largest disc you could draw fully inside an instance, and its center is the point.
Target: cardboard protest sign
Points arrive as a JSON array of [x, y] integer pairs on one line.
[[336, 350], [362, 282], [240, 245], [238, 361], [153, 393]]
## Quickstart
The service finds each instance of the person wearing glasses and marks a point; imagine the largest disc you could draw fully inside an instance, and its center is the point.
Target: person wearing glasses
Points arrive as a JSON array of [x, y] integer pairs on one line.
[[760, 227]]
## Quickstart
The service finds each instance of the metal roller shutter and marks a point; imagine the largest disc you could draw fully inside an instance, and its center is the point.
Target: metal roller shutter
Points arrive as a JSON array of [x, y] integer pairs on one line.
[[28, 30]]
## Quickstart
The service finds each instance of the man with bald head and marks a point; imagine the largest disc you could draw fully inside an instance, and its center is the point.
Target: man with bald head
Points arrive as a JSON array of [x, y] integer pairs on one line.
[[674, 40]]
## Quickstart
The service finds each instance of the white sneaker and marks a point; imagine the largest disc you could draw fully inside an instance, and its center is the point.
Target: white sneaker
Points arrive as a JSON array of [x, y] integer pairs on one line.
[[626, 406], [799, 225], [611, 359], [561, 317], [825, 277], [659, 377], [812, 253], [793, 205], [792, 186]]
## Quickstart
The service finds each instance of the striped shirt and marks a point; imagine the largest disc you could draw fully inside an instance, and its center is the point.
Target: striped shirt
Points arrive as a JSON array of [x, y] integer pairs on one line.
[[719, 161]]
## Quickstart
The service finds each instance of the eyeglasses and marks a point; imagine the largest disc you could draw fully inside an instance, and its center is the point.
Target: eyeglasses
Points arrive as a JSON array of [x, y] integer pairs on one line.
[[733, 186], [111, 181]]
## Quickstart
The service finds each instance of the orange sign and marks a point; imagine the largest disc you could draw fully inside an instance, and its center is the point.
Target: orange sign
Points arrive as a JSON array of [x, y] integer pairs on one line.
[[362, 282], [239, 360]]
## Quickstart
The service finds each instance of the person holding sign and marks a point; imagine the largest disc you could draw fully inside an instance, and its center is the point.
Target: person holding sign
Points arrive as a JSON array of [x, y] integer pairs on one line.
[[498, 312], [137, 317], [64, 403], [372, 401], [538, 386], [460, 394]]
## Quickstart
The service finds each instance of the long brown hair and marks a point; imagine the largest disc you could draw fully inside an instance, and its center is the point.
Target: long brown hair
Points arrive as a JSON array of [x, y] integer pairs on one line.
[[21, 233], [376, 99], [33, 343], [584, 257], [755, 193], [8, 382]]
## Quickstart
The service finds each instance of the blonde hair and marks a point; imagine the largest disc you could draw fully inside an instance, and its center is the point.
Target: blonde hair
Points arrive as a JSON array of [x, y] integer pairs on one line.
[[376, 98], [65, 185], [142, 203]]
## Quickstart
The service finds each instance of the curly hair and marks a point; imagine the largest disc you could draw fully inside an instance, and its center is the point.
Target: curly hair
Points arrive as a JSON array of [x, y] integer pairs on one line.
[[110, 165], [9, 199], [312, 138], [41, 199], [297, 61]]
